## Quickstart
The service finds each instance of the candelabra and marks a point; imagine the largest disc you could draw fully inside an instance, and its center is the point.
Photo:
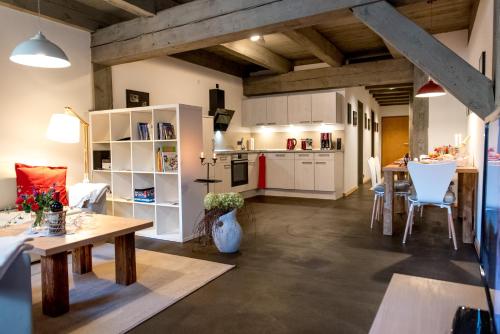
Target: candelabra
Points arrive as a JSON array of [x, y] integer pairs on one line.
[[208, 164]]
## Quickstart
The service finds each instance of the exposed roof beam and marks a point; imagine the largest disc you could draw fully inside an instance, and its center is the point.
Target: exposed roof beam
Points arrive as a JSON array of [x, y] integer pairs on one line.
[[394, 53], [408, 85], [462, 80], [73, 13], [259, 55], [212, 61], [144, 8], [393, 104], [472, 17], [390, 91], [385, 97], [389, 71], [205, 23], [317, 44]]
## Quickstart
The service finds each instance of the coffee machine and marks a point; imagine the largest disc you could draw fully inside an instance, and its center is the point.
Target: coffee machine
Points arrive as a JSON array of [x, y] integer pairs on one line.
[[326, 141]]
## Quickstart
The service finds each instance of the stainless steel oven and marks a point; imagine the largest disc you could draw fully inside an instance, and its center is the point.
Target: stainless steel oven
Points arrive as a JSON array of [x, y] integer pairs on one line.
[[239, 169]]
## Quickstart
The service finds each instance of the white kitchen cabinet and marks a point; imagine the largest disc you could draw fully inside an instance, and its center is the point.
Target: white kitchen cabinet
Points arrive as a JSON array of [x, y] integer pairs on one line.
[[280, 171], [253, 171], [254, 112], [324, 172], [304, 171], [299, 109], [326, 107], [223, 173], [277, 111]]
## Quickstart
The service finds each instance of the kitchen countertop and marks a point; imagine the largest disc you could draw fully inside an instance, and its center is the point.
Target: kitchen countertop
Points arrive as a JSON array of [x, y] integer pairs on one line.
[[222, 152]]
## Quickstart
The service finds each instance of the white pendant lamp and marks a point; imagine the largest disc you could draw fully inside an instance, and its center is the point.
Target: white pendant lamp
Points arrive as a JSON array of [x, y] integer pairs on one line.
[[38, 51]]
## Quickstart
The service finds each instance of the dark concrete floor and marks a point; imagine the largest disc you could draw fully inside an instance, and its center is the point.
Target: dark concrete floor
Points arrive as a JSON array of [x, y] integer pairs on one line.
[[311, 266]]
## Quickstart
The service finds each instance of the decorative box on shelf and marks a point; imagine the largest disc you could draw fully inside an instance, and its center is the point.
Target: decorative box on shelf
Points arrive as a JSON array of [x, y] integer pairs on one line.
[[146, 195]]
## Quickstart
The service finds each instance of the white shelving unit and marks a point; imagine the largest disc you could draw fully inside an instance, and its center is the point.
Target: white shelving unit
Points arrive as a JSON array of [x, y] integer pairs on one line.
[[178, 200]]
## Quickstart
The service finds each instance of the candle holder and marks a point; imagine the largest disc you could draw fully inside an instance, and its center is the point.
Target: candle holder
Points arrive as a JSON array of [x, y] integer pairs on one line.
[[208, 164]]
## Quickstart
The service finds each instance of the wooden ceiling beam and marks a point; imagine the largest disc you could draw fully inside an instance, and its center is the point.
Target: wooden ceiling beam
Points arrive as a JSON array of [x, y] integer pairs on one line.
[[257, 54], [203, 23], [381, 72], [461, 79], [72, 13], [472, 17], [391, 91], [142, 8], [388, 97], [408, 85], [213, 61], [317, 44], [394, 53]]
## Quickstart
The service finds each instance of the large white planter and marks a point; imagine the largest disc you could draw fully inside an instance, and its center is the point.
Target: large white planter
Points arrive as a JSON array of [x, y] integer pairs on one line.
[[227, 233]]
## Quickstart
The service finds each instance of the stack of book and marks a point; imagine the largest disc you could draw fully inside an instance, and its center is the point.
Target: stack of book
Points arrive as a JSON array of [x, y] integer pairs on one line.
[[165, 131], [144, 130], [166, 159]]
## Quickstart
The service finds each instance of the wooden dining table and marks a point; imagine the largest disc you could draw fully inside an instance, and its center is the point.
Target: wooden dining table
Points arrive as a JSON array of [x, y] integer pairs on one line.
[[466, 199]]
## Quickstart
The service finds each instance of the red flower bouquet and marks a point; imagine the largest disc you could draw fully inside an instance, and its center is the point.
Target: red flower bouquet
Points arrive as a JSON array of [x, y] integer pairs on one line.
[[36, 202]]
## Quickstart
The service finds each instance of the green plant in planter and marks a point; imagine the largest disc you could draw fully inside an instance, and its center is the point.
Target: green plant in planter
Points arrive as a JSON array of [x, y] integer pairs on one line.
[[216, 205]]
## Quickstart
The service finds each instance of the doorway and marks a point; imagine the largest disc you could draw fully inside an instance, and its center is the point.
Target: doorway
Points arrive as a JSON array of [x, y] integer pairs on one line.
[[361, 126], [394, 138]]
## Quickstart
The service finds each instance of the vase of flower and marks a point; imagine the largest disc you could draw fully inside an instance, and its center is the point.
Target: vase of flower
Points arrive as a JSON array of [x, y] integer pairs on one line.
[[227, 233], [36, 203], [219, 223]]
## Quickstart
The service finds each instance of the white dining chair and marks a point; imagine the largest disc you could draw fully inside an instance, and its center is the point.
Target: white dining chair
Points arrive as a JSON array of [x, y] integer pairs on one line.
[[432, 186], [401, 188]]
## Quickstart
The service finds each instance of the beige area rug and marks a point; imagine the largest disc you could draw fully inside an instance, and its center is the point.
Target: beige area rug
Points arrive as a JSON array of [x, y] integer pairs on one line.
[[98, 305]]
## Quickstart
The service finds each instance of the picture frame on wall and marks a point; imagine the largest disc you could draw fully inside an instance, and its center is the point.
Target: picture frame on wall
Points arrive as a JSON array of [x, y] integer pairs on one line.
[[365, 121], [369, 125], [349, 113], [482, 63], [354, 118], [136, 98]]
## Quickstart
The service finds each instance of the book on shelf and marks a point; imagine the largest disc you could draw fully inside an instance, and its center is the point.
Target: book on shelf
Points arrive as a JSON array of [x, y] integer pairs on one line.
[[166, 159], [165, 131], [144, 130]]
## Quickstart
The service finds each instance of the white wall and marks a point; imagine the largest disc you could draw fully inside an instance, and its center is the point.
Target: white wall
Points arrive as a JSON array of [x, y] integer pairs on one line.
[[31, 95], [447, 115], [481, 40], [397, 110], [352, 95], [169, 80]]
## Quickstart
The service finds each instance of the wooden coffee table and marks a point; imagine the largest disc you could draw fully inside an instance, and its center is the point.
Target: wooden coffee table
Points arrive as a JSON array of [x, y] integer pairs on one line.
[[54, 258]]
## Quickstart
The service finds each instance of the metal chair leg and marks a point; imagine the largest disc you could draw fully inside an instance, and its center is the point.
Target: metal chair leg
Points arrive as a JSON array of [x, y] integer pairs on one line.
[[450, 221], [408, 222], [375, 199]]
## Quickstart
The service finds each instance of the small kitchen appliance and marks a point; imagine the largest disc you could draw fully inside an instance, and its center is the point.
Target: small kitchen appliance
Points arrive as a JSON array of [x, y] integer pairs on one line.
[[326, 140], [291, 143], [306, 143]]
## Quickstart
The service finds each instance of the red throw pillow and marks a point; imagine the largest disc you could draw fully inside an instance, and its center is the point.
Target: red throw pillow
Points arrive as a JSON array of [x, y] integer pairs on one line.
[[42, 178]]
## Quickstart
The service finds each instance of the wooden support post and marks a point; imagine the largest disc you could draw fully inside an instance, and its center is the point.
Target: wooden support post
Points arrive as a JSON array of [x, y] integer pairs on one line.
[[103, 87], [419, 118], [125, 259], [55, 286], [82, 259], [388, 201], [467, 209]]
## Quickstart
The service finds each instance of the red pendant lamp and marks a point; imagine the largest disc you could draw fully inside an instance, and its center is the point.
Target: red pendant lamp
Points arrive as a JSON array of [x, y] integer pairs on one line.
[[430, 89]]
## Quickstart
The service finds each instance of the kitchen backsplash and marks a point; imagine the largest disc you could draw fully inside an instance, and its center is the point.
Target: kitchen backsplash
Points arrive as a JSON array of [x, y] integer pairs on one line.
[[268, 139]]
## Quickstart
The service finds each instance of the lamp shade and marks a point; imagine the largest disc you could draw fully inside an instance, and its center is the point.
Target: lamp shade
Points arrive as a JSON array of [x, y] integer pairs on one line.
[[430, 89], [38, 51], [64, 129]]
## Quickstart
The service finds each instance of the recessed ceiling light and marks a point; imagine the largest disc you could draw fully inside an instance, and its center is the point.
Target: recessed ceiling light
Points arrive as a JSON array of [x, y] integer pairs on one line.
[[255, 38]]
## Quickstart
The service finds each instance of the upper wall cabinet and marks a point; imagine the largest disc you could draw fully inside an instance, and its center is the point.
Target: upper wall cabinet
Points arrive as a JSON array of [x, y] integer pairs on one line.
[[254, 112], [307, 108], [326, 107], [277, 113], [299, 108]]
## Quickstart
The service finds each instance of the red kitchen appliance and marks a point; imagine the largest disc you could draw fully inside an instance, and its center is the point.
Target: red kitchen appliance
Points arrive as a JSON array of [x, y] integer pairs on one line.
[[307, 143], [291, 143]]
